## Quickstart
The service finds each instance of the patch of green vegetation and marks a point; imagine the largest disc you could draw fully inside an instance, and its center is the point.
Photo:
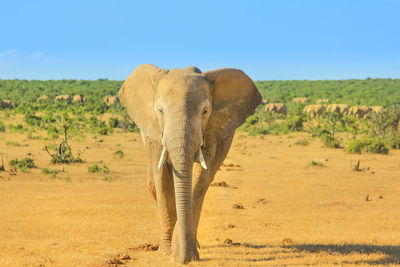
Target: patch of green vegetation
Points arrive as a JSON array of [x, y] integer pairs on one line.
[[2, 127], [24, 165], [302, 142], [95, 168], [119, 153], [314, 163], [371, 145], [13, 143], [50, 172]]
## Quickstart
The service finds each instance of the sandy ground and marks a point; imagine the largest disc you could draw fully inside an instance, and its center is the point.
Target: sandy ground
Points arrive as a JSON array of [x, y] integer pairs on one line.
[[293, 214]]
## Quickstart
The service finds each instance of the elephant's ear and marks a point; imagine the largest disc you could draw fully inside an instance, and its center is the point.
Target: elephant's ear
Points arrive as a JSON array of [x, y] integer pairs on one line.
[[137, 94], [235, 97]]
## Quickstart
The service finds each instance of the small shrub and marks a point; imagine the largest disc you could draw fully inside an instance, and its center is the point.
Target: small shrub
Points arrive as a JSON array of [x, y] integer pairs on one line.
[[23, 165], [377, 146], [113, 122], [331, 141], [93, 168], [355, 146], [105, 131], [119, 153], [314, 163], [52, 173], [373, 145], [2, 127], [105, 169], [12, 143], [107, 179], [302, 142]]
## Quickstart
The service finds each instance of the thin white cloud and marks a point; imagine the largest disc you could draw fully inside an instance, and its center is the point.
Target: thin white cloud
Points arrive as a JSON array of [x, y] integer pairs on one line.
[[37, 55], [6, 53]]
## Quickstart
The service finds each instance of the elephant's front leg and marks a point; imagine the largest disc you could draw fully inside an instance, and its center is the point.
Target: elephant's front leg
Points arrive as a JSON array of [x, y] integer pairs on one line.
[[201, 181], [165, 194]]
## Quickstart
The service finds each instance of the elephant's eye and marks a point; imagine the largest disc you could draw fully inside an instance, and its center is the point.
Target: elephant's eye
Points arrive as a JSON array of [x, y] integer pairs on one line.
[[204, 112], [161, 111]]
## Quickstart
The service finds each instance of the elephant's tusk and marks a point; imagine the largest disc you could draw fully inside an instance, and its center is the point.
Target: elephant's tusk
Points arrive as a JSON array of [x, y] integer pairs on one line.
[[202, 161], [162, 157]]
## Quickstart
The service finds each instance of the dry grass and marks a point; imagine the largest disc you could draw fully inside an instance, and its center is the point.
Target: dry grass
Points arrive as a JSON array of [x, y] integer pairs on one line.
[[292, 215]]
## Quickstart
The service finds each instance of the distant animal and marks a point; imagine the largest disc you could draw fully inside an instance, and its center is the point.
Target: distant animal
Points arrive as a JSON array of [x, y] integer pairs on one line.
[[43, 98], [187, 119], [63, 98], [378, 109], [79, 99], [110, 100], [359, 111], [338, 108], [322, 101], [315, 110], [7, 104], [264, 101], [301, 100], [276, 108]]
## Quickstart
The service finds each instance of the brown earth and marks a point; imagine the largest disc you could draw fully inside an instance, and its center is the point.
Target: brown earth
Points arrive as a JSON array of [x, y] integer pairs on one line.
[[293, 213]]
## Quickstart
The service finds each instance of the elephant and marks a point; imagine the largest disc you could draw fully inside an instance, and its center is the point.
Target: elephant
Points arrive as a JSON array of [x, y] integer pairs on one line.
[[322, 101], [276, 108], [187, 120], [79, 99], [359, 111], [110, 100], [43, 98], [301, 100], [338, 108], [314, 110], [7, 104], [63, 97], [378, 110]]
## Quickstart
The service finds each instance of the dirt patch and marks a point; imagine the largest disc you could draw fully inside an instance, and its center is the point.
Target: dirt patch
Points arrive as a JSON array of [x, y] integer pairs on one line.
[[146, 247], [238, 206]]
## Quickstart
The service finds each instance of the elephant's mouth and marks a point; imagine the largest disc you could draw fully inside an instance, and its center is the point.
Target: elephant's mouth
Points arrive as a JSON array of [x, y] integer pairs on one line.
[[164, 156]]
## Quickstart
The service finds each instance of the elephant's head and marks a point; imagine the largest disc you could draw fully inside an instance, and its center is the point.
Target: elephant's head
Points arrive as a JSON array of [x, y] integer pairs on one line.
[[183, 111]]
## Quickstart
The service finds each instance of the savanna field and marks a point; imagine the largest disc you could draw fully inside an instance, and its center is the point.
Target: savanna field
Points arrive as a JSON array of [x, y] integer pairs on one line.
[[296, 189]]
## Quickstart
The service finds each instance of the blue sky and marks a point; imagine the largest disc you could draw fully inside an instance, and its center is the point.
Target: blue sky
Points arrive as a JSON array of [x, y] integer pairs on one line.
[[269, 40]]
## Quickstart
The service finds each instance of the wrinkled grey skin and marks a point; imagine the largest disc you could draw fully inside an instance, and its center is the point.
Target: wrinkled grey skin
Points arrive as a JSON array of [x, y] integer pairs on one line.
[[184, 114]]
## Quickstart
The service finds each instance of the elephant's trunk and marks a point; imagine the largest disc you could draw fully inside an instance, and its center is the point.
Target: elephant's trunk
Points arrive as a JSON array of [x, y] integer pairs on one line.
[[182, 148]]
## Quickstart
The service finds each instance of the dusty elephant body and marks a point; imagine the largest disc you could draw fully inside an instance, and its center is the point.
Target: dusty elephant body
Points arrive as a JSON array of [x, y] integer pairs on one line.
[[315, 110], [301, 100], [110, 100], [187, 120], [359, 111], [7, 104], [341, 109], [276, 108], [63, 98]]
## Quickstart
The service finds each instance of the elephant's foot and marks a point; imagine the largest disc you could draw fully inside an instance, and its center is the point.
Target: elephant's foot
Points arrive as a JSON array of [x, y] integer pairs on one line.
[[175, 255], [165, 247]]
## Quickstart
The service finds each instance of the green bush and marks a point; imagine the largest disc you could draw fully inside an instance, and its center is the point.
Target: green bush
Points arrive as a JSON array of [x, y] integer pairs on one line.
[[104, 131], [331, 141], [302, 142], [24, 165], [52, 173], [113, 122], [93, 168], [377, 146], [96, 168], [355, 146], [372, 145], [2, 127], [119, 153]]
